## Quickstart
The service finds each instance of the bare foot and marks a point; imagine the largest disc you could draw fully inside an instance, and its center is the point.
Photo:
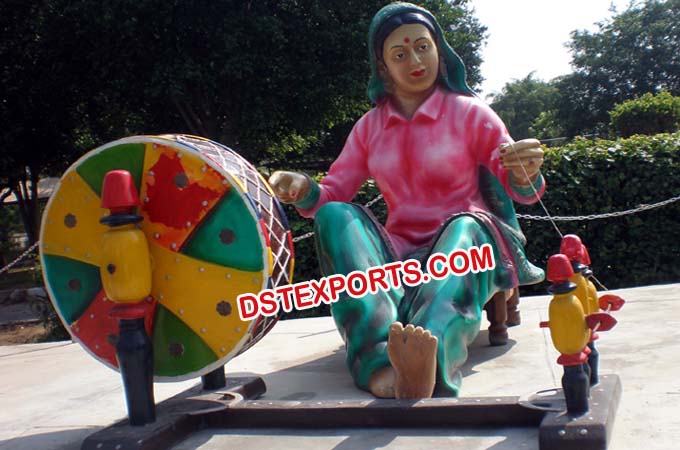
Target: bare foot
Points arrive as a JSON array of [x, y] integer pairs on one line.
[[381, 383], [413, 354]]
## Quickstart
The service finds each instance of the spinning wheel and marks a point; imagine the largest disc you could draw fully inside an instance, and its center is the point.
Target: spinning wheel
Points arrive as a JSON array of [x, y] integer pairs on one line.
[[214, 229]]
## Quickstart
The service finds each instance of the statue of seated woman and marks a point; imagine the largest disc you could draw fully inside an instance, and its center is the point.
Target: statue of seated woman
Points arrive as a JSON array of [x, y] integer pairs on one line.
[[447, 169]]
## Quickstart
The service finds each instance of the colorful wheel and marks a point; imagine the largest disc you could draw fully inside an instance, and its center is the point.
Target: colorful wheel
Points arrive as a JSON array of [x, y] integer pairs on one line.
[[214, 229]]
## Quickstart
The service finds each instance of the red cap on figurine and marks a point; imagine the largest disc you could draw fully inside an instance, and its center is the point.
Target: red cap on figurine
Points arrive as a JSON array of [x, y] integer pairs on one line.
[[572, 247], [559, 269], [586, 256], [119, 193]]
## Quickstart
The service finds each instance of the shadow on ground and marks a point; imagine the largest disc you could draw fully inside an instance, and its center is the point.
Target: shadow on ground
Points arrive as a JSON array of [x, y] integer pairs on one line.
[[64, 439]]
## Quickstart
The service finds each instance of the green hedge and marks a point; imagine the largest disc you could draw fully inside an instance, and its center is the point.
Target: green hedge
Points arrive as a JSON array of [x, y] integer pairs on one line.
[[649, 114], [586, 177], [593, 177]]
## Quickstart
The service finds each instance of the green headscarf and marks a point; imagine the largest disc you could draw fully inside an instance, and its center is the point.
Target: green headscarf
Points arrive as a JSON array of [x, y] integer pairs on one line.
[[454, 76]]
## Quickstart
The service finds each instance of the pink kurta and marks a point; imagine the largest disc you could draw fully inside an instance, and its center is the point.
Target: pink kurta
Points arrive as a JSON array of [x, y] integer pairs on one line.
[[426, 167]]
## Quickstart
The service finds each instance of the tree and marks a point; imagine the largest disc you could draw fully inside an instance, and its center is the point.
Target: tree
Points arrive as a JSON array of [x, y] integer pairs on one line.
[[635, 52], [521, 102], [267, 78], [546, 126], [649, 114], [36, 102]]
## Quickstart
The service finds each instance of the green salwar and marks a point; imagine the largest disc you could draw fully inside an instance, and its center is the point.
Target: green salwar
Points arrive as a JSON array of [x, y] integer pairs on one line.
[[348, 238]]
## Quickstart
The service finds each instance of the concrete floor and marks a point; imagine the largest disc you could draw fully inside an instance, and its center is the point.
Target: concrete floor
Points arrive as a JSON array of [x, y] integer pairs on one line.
[[54, 395]]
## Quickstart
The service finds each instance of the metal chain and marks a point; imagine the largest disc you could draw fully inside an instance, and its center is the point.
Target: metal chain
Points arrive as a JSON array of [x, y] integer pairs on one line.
[[521, 216], [311, 233], [554, 218], [374, 201], [19, 258], [601, 216], [303, 237]]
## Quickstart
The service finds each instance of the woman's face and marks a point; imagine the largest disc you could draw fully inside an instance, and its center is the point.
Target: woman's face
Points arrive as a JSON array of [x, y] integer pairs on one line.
[[411, 58]]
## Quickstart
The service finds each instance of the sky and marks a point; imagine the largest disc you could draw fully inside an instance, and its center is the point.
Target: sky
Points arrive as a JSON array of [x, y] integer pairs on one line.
[[529, 35]]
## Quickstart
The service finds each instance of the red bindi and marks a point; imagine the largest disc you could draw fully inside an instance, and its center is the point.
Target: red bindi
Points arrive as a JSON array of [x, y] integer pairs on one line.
[[407, 40]]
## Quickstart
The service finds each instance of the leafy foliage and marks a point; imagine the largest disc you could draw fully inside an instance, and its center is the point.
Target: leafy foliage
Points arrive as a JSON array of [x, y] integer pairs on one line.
[[521, 103], [649, 114], [267, 78], [600, 176], [36, 102], [9, 224], [546, 126], [633, 53]]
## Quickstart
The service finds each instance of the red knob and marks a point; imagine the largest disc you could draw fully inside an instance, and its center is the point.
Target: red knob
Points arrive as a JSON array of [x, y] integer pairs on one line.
[[586, 256], [572, 247], [559, 269], [119, 193]]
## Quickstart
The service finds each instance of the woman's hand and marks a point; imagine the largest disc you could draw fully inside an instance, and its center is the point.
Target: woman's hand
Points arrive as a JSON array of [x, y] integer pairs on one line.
[[290, 187], [523, 158]]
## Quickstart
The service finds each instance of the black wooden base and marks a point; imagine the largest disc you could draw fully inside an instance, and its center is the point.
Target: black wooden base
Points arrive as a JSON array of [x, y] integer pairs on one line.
[[176, 418], [195, 410], [589, 431]]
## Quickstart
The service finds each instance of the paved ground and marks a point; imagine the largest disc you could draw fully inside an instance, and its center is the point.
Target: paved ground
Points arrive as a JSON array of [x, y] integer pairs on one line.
[[54, 395]]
